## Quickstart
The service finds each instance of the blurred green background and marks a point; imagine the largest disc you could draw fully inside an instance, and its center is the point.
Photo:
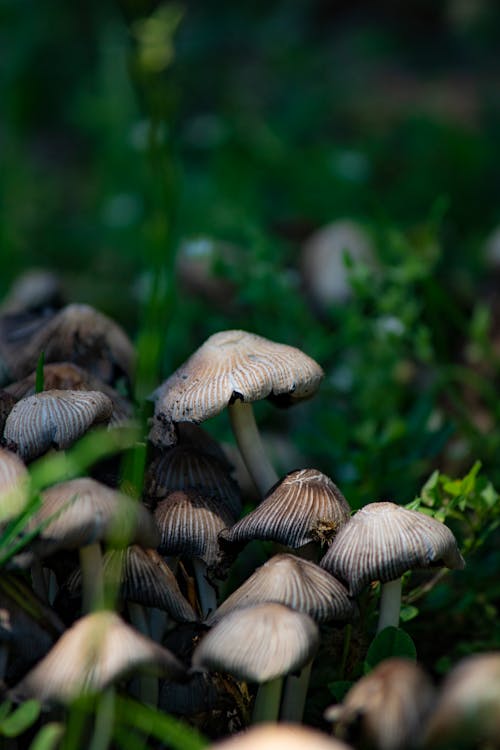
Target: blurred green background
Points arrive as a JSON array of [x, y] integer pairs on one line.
[[131, 128]]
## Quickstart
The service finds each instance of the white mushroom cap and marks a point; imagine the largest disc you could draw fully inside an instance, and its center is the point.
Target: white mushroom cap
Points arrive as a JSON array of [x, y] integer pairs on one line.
[[236, 365], [384, 540], [280, 737], [297, 583], [95, 652], [259, 643]]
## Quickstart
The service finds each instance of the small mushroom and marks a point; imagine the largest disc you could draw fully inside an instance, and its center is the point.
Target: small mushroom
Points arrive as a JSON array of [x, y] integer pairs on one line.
[[260, 644], [54, 419], [280, 737], [380, 543], [232, 369]]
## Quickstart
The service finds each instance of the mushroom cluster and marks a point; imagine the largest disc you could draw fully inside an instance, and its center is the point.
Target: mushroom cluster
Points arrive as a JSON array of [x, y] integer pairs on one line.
[[116, 586]]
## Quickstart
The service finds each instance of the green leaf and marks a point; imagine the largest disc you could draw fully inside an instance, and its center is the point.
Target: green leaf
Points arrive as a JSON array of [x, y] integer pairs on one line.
[[48, 737], [20, 719], [390, 642], [339, 689], [170, 731], [408, 612]]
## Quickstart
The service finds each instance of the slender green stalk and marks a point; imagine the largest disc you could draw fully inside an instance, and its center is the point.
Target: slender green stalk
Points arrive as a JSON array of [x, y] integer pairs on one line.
[[92, 578], [267, 702], [295, 694]]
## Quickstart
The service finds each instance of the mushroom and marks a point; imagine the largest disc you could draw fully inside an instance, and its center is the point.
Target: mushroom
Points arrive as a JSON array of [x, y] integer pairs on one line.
[[97, 651], [304, 507], [380, 543], [260, 644], [14, 482], [54, 419], [386, 709], [467, 713], [81, 513], [232, 369], [189, 523], [280, 737]]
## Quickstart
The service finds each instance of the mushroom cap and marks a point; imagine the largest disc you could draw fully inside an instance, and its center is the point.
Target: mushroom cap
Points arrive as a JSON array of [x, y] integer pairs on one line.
[[83, 511], [388, 706], [66, 376], [297, 583], [259, 643], [143, 577], [305, 506], [467, 713], [236, 365], [280, 737], [383, 540], [95, 652], [190, 523], [54, 418], [76, 333], [14, 481]]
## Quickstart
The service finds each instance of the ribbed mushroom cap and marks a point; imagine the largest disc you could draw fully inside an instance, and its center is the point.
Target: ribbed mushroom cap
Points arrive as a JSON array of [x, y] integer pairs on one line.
[[84, 511], [280, 737], [387, 706], [190, 523], [77, 333], [306, 506], [95, 652], [143, 577], [259, 643], [383, 540], [467, 713], [299, 584], [65, 376], [236, 365], [54, 419], [183, 468], [13, 485]]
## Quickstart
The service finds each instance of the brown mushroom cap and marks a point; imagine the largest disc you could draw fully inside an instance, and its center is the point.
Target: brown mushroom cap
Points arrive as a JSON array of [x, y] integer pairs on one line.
[[259, 643], [388, 706], [236, 365], [299, 584], [54, 418], [190, 523], [143, 577], [305, 506], [384, 540], [77, 333], [95, 652]]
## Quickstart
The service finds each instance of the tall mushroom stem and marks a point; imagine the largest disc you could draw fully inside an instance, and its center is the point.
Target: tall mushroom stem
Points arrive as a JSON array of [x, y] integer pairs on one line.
[[294, 695], [250, 444], [390, 605], [206, 592], [267, 702]]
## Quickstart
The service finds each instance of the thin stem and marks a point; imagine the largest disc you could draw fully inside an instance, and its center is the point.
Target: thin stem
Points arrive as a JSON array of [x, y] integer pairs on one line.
[[206, 592], [92, 578], [294, 695], [38, 580], [267, 702], [250, 444], [104, 721], [390, 605]]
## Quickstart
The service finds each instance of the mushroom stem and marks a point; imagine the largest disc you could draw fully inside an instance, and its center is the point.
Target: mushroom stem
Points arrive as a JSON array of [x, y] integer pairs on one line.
[[390, 605], [267, 702], [294, 695], [206, 592], [92, 578], [250, 444]]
